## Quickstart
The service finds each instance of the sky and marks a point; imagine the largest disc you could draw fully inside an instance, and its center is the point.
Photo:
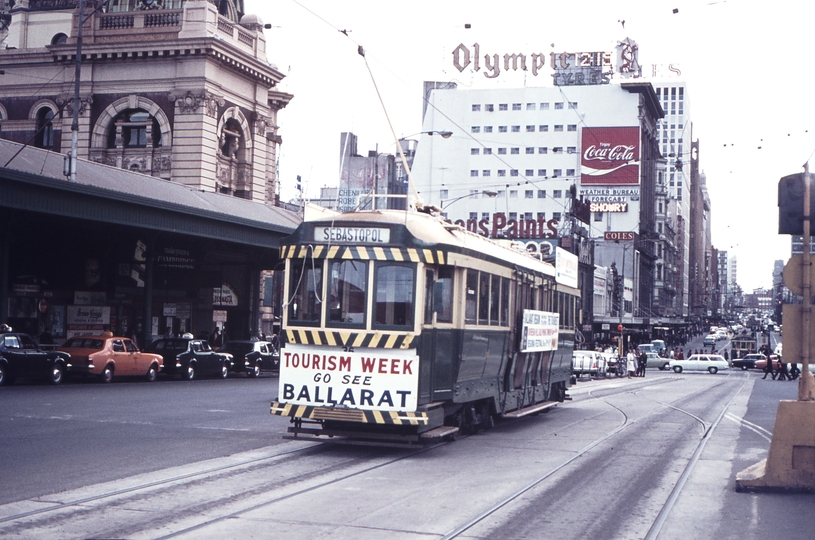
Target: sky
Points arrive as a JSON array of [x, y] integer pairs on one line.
[[747, 65]]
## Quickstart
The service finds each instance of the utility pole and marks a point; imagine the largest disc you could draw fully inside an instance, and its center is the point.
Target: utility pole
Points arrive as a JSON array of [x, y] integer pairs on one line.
[[71, 165]]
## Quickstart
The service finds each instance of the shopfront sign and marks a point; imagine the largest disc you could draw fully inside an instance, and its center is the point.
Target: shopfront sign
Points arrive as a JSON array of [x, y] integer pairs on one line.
[[88, 315], [369, 379], [224, 296], [498, 226]]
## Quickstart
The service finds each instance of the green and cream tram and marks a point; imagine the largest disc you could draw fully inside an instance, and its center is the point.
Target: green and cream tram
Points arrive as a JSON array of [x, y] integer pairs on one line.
[[400, 327]]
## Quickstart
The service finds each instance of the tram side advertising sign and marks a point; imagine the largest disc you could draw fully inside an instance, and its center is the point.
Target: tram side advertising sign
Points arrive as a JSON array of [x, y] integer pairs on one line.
[[368, 379], [540, 331]]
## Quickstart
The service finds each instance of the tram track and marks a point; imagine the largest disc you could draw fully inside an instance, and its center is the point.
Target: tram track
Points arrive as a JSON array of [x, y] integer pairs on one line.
[[627, 422]]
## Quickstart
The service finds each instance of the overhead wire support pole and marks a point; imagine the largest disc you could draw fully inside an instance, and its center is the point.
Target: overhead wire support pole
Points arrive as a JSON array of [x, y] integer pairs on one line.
[[806, 388], [77, 75]]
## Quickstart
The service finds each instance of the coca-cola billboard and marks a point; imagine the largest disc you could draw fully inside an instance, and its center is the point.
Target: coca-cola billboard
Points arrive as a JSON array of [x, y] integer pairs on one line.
[[611, 156]]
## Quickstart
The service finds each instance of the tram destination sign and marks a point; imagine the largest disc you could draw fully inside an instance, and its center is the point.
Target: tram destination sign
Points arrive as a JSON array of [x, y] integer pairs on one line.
[[352, 235], [370, 379]]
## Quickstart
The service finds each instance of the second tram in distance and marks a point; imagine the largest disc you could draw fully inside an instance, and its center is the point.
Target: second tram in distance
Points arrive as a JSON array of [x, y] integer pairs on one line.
[[400, 328]]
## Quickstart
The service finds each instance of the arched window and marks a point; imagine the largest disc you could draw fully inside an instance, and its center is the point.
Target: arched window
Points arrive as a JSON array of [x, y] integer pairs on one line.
[[232, 145], [59, 39], [134, 128], [45, 128]]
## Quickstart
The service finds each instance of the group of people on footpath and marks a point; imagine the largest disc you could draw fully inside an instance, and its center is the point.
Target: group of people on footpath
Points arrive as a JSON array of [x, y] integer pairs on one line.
[[636, 363], [777, 368]]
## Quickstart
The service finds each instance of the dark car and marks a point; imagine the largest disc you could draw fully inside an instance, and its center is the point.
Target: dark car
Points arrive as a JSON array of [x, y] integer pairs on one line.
[[251, 357], [749, 361], [20, 356], [191, 358]]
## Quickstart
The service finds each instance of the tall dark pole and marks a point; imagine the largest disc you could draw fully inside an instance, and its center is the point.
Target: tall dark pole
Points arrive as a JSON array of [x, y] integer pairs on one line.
[[77, 75]]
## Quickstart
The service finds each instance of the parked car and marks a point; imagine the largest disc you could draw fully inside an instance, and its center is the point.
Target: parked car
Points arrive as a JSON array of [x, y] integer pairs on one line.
[[588, 363], [700, 362], [251, 357], [709, 340], [191, 358], [749, 361], [105, 355], [659, 345], [20, 356]]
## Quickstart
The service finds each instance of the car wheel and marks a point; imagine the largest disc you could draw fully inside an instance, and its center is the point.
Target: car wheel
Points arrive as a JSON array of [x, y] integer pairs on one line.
[[3, 378], [190, 372], [107, 374], [743, 367], [713, 370], [677, 369], [57, 373], [255, 371], [224, 371], [666, 366], [152, 373]]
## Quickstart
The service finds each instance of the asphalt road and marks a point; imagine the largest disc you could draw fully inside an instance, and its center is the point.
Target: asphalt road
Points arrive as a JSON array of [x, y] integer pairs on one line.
[[204, 459]]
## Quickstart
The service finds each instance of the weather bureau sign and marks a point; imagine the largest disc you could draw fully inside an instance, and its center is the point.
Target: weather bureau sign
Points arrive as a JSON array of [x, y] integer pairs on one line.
[[352, 235], [369, 379], [615, 207]]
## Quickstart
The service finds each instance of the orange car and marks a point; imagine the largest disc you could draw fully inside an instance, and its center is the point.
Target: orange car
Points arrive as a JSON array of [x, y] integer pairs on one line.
[[106, 355], [761, 363]]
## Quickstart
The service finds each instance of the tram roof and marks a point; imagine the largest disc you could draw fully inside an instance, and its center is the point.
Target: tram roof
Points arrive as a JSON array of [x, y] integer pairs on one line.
[[432, 231]]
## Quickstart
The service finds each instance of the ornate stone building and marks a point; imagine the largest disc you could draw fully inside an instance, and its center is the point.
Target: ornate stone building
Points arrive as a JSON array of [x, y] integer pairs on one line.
[[177, 89]]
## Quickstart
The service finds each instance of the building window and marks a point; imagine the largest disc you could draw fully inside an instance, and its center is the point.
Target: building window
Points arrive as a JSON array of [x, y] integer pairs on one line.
[[530, 150], [542, 215], [488, 107], [572, 127], [502, 172], [541, 194], [557, 194], [529, 172], [475, 129], [543, 150], [513, 194], [557, 150], [502, 129], [571, 150], [485, 172], [529, 194], [556, 216], [473, 215], [513, 216], [487, 129], [516, 129], [474, 151], [598, 216], [542, 172], [558, 127], [530, 106], [45, 128], [476, 107], [487, 151], [501, 193], [513, 172], [443, 194], [502, 107], [135, 128], [485, 216], [530, 129], [572, 104], [544, 106], [559, 105], [528, 216], [502, 151], [474, 172], [569, 172], [516, 106], [515, 150], [543, 128], [557, 173]]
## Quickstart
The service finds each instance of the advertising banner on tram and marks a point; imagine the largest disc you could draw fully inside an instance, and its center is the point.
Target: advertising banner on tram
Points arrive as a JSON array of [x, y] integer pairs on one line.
[[368, 379], [540, 331]]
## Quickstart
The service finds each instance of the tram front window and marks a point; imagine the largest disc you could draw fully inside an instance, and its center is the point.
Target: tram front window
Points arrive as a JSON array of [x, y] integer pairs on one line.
[[346, 295], [394, 299], [306, 288]]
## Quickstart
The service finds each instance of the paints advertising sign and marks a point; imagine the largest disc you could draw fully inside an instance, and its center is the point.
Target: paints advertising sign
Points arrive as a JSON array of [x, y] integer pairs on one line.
[[611, 156]]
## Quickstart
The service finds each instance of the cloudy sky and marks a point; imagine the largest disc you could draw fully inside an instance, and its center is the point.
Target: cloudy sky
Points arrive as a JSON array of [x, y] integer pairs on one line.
[[747, 64]]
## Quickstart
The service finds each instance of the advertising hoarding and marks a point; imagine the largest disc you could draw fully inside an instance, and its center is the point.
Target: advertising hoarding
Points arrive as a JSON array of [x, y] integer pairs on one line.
[[611, 156]]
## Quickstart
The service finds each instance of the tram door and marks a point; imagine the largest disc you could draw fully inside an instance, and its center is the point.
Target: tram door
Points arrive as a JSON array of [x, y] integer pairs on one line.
[[439, 343]]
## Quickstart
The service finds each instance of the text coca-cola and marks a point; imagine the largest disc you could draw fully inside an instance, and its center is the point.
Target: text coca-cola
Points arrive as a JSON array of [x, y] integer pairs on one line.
[[606, 152]]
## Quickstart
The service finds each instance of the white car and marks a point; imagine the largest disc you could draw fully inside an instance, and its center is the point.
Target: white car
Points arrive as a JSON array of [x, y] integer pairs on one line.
[[588, 363], [700, 362]]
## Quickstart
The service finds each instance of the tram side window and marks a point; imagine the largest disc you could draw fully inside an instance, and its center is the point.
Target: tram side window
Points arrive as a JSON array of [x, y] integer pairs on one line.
[[439, 295], [346, 292], [495, 300], [504, 302], [471, 304], [305, 289], [484, 298], [394, 300]]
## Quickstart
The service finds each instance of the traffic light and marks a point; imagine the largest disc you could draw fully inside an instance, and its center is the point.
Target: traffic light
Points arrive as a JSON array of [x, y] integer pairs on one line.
[[791, 205], [299, 184]]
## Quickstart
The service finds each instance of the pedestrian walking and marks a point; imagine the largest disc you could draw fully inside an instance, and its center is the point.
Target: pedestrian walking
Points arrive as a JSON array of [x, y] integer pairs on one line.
[[783, 372], [768, 369], [631, 363]]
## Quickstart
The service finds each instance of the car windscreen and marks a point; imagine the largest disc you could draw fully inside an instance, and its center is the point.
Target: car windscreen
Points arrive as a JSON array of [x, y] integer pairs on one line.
[[82, 343]]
